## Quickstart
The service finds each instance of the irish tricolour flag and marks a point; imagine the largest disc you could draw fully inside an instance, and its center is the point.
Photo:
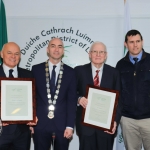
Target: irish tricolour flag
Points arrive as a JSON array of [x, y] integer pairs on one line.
[[3, 26]]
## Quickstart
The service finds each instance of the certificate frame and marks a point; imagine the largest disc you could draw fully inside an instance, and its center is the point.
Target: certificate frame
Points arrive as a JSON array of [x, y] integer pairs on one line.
[[29, 105], [90, 115]]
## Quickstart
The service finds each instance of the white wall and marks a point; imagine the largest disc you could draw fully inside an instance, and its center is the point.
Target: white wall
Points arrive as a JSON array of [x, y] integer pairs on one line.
[[78, 8], [102, 20], [139, 10]]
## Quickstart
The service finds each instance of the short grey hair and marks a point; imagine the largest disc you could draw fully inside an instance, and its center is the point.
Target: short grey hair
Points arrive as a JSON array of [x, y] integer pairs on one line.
[[97, 42]]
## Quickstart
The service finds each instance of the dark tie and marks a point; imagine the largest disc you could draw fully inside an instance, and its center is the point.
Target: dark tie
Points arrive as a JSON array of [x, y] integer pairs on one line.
[[96, 78], [136, 60], [10, 73], [52, 81]]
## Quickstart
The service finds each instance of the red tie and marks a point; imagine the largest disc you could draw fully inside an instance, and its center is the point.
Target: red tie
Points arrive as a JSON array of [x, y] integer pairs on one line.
[[96, 78]]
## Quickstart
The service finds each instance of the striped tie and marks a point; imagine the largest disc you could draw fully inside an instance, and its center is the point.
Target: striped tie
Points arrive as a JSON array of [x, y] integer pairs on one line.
[[96, 78]]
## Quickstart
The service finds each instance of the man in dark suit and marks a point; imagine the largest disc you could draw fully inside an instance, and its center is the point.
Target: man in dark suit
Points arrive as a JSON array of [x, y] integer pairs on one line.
[[99, 74], [18, 136], [56, 100]]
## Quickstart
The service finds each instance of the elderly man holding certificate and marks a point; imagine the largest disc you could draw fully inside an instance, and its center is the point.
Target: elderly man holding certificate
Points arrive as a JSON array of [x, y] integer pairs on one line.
[[15, 135], [98, 74]]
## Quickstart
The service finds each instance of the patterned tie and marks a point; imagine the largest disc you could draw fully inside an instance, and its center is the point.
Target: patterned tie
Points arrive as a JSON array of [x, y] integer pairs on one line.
[[96, 78], [136, 60], [10, 73], [52, 81]]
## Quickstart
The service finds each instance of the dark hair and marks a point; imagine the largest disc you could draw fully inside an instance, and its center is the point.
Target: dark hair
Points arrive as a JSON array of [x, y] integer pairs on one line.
[[132, 33]]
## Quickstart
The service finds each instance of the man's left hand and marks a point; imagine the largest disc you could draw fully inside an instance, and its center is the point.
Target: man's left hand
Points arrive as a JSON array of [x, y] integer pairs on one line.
[[33, 124], [113, 129], [32, 130], [68, 133]]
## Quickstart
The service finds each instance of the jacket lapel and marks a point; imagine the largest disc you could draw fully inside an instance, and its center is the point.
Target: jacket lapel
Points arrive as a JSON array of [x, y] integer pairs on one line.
[[2, 74], [88, 74], [19, 73], [105, 76]]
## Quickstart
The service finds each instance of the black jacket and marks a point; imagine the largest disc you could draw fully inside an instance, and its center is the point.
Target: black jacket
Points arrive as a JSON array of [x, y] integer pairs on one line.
[[135, 87], [110, 79], [22, 73]]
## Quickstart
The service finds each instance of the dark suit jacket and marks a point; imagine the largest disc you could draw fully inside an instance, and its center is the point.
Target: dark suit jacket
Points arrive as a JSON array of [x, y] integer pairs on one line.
[[110, 79], [64, 114], [22, 73]]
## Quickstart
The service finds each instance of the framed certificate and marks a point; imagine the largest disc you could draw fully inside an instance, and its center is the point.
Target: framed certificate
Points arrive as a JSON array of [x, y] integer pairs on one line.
[[101, 109], [17, 100]]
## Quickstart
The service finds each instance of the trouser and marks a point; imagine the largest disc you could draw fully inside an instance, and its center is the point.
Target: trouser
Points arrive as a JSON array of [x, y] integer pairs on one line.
[[135, 133]]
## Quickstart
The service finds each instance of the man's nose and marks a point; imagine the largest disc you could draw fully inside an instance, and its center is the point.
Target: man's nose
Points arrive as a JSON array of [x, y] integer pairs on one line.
[[135, 43]]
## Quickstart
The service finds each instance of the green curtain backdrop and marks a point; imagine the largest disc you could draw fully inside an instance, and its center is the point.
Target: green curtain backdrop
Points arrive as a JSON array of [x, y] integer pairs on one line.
[[3, 26]]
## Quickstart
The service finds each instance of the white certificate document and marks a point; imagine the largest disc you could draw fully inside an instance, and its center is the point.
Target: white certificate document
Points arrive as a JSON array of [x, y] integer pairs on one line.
[[99, 110], [16, 100]]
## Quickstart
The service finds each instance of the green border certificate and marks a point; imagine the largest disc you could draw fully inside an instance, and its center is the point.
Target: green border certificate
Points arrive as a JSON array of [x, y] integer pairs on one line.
[[16, 100], [100, 106], [101, 109]]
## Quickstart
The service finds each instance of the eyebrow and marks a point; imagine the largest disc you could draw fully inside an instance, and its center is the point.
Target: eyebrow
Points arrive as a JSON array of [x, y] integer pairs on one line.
[[98, 50], [55, 45], [17, 52], [12, 52]]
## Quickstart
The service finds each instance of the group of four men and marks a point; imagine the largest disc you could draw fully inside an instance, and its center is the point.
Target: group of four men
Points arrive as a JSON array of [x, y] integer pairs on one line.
[[60, 97]]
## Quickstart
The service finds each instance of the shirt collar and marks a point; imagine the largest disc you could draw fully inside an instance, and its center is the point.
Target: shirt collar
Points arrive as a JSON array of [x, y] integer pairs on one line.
[[94, 68], [6, 68], [51, 65], [139, 56]]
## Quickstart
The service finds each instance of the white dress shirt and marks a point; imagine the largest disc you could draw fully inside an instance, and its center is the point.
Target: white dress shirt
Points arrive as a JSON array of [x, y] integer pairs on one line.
[[57, 69], [6, 71]]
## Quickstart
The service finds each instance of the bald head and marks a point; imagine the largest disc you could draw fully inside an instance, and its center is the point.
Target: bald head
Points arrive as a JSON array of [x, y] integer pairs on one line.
[[11, 54], [55, 50], [55, 40]]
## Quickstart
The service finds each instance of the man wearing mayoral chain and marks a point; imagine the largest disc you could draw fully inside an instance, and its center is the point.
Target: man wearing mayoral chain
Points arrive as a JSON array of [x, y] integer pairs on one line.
[[99, 74], [56, 100]]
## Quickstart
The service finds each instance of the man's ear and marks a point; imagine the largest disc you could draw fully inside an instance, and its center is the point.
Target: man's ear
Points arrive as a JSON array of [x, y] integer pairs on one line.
[[125, 44], [1, 54], [142, 42], [47, 50]]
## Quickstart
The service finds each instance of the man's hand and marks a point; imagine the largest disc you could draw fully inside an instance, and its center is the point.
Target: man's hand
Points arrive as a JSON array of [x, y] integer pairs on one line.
[[68, 133], [5, 124], [83, 102], [113, 129], [32, 130], [33, 124]]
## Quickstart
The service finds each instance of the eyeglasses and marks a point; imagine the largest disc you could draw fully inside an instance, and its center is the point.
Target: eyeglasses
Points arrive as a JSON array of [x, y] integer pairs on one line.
[[98, 52]]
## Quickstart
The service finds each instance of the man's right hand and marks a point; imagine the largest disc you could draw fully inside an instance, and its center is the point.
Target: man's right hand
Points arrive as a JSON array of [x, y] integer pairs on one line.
[[83, 102], [5, 124]]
